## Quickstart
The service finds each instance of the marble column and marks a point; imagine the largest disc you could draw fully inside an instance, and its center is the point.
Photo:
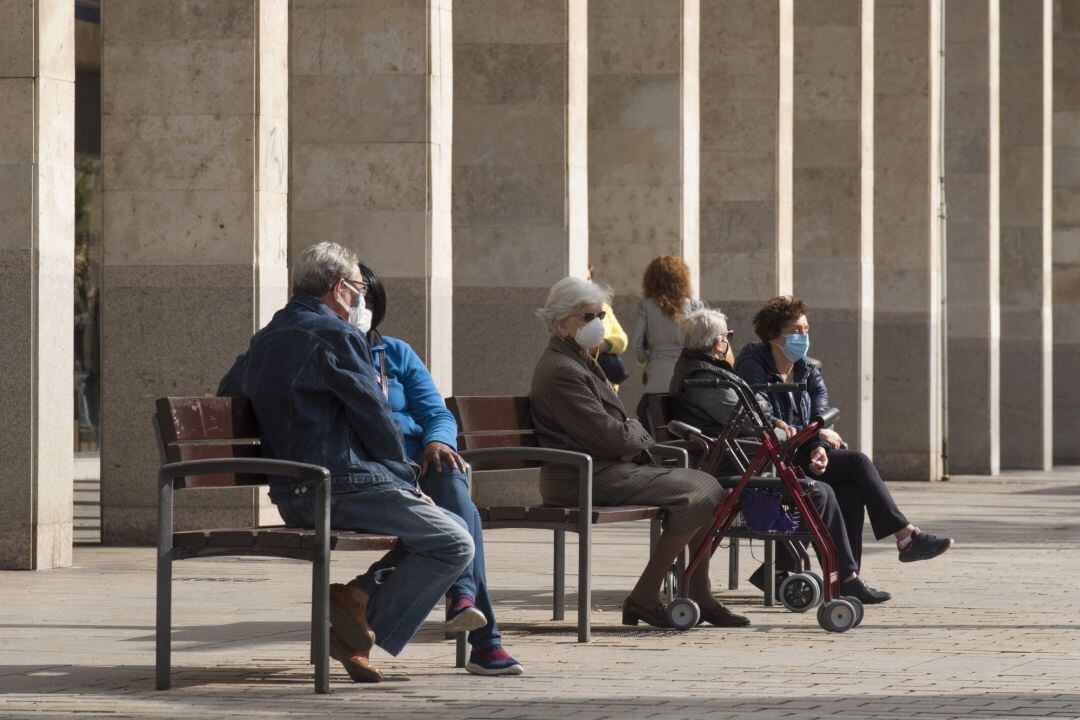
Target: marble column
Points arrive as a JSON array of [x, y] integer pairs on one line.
[[1066, 229], [643, 145], [37, 232], [520, 190], [833, 241], [972, 158], [907, 249], [1026, 332], [194, 138], [370, 125], [747, 95]]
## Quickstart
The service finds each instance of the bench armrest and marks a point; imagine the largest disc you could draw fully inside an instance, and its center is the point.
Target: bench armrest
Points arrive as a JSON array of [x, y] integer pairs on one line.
[[169, 473], [679, 454], [580, 461]]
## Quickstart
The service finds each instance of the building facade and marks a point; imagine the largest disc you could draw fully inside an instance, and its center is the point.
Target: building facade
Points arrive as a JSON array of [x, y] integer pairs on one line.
[[911, 168]]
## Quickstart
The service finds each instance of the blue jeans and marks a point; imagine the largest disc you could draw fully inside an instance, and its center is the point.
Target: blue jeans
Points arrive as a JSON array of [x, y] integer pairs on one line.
[[449, 488], [434, 549]]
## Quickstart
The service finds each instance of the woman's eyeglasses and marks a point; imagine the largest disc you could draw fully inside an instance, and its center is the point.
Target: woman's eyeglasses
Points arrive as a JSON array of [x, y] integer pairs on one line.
[[727, 336], [589, 317]]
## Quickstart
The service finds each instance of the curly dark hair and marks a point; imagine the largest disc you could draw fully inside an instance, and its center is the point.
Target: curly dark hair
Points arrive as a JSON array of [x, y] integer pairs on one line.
[[667, 283], [774, 315]]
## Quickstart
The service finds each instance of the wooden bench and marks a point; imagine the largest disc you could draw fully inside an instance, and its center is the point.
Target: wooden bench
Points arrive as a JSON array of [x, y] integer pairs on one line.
[[496, 433], [211, 442]]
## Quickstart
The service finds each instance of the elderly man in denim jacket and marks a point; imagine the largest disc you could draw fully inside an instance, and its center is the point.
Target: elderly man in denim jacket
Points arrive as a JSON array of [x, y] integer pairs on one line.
[[311, 383]]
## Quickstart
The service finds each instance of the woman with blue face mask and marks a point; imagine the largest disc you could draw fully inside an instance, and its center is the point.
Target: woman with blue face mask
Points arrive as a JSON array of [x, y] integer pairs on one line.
[[780, 356]]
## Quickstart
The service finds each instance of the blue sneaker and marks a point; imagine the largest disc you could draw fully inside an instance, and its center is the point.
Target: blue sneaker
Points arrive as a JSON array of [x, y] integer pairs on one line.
[[464, 616], [493, 661]]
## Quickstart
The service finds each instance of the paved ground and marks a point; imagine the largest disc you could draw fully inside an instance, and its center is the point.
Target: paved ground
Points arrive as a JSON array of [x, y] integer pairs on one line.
[[990, 630]]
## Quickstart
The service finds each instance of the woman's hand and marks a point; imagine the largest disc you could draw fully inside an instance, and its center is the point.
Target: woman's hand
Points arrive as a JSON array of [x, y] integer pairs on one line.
[[440, 455], [832, 437], [789, 432], [819, 460]]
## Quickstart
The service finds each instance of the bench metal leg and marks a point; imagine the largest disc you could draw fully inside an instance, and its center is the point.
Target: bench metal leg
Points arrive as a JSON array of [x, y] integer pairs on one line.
[[163, 630], [558, 600], [655, 528], [320, 598], [460, 650], [733, 565], [770, 572], [584, 581]]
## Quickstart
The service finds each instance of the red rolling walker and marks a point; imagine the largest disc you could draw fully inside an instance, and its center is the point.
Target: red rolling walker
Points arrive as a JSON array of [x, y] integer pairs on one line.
[[835, 613]]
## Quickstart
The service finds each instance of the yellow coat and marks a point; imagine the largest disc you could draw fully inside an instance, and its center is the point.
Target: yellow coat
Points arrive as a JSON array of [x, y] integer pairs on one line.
[[613, 334]]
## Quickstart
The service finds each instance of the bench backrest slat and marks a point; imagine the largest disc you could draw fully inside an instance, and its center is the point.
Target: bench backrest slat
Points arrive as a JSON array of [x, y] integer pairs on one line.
[[198, 428], [493, 421]]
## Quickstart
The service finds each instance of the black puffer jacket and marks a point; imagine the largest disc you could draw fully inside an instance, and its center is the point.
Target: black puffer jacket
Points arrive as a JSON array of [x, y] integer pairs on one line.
[[707, 408]]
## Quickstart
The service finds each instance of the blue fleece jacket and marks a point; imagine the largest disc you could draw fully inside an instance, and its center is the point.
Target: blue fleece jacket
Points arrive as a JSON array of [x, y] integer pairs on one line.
[[417, 406]]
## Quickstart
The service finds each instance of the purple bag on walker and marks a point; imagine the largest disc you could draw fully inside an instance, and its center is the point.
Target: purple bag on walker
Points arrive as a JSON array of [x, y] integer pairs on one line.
[[763, 512]]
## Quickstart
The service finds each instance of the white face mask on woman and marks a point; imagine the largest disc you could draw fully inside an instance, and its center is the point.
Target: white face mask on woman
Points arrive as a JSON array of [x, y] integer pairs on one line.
[[590, 335]]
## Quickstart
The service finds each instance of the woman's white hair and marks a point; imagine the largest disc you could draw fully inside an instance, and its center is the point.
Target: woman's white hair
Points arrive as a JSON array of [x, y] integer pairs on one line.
[[700, 329], [566, 296], [319, 266]]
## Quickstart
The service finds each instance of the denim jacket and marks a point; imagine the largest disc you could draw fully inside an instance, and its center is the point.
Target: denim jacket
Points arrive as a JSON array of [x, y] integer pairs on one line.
[[311, 383]]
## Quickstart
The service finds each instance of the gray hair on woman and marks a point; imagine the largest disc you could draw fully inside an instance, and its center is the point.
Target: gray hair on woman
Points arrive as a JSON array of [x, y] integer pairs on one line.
[[701, 329], [320, 266], [566, 296]]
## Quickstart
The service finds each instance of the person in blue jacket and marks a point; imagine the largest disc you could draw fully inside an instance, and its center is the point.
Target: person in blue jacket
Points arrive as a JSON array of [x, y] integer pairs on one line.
[[430, 434], [781, 357]]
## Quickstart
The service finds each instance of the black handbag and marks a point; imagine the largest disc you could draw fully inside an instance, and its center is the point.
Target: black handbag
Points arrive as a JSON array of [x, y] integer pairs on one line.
[[613, 368]]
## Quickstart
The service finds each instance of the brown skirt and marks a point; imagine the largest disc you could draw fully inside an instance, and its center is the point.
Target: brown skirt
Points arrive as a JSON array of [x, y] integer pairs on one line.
[[689, 497]]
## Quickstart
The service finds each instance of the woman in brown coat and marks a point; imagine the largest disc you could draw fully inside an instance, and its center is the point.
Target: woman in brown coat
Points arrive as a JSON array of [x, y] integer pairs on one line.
[[574, 408]]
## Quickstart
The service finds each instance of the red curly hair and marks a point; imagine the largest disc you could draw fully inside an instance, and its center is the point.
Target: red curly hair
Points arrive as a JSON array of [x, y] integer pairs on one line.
[[667, 283]]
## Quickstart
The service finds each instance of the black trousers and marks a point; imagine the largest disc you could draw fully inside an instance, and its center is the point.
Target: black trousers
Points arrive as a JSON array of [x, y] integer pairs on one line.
[[860, 492], [824, 499]]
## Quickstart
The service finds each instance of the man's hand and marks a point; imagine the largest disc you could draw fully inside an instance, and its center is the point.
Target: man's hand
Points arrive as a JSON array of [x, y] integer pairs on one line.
[[427, 498], [439, 455], [832, 437], [819, 460]]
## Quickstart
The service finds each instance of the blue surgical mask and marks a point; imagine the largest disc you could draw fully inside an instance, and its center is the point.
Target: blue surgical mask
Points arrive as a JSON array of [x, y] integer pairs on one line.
[[795, 347]]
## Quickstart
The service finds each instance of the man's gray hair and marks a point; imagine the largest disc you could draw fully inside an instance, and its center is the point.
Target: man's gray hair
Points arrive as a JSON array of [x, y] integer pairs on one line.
[[700, 329], [566, 296], [320, 266]]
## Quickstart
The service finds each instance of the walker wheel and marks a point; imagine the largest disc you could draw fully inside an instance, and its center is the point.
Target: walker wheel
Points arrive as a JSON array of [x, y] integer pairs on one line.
[[817, 579], [683, 613], [858, 605], [837, 616], [800, 592]]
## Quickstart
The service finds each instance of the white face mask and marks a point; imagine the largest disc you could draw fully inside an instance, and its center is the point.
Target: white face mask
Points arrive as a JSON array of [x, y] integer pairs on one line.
[[590, 335], [361, 317]]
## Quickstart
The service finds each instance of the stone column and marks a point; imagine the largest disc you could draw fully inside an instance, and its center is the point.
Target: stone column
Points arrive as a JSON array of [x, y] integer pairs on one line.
[[194, 105], [370, 127], [1066, 238], [907, 250], [37, 233], [833, 200], [643, 161], [972, 158], [1026, 333], [520, 187], [747, 56]]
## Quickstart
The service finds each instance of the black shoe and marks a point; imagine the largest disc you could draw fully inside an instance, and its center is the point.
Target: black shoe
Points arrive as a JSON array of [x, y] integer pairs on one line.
[[757, 579], [924, 546], [720, 616], [868, 595], [632, 613]]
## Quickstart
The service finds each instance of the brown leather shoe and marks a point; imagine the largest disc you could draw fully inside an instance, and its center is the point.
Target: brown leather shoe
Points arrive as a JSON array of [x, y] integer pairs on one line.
[[349, 619], [356, 662]]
